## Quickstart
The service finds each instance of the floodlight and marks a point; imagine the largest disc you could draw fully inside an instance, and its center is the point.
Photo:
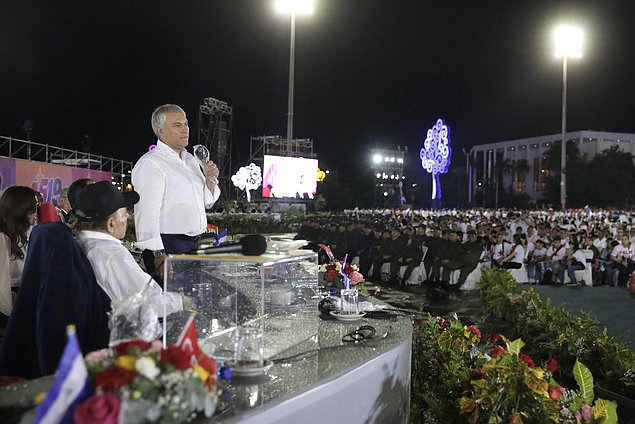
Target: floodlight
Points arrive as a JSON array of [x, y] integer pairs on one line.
[[295, 7], [568, 41], [377, 158]]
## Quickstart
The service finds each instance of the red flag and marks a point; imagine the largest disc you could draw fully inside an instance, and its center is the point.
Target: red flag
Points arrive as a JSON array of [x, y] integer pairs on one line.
[[328, 251], [189, 343]]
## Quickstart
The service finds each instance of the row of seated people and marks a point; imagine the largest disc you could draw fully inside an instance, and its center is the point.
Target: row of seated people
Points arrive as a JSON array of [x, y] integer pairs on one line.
[[547, 253], [71, 273]]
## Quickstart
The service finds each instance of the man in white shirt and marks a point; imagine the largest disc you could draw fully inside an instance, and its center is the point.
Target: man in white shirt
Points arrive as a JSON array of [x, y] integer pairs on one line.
[[103, 218], [174, 191], [554, 261]]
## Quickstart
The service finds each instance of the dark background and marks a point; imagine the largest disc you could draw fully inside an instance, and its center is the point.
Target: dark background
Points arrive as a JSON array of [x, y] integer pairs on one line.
[[369, 73]]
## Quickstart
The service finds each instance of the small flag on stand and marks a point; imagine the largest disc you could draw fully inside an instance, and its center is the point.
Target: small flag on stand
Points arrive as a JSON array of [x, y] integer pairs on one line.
[[188, 342], [70, 386], [221, 238]]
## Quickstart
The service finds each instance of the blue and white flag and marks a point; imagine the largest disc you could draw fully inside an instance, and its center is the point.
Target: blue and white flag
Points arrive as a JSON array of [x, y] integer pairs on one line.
[[221, 238], [70, 386]]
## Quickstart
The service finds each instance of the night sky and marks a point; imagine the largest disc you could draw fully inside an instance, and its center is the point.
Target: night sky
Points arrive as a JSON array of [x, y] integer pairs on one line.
[[369, 73]]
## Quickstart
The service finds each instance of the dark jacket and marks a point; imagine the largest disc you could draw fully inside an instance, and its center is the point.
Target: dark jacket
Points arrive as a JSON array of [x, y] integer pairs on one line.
[[58, 288]]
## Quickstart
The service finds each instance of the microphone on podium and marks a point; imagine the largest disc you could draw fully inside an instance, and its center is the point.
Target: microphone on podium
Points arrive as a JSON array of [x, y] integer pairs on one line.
[[250, 245]]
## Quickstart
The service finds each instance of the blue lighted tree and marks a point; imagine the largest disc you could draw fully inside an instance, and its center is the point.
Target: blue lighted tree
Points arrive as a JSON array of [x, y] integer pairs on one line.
[[436, 153]]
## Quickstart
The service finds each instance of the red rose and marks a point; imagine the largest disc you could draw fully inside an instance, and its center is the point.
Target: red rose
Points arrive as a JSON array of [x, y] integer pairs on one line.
[[175, 356], [555, 392], [113, 378], [472, 329], [123, 347], [331, 274], [102, 409], [552, 364], [526, 359], [478, 373], [494, 338], [348, 269], [497, 351]]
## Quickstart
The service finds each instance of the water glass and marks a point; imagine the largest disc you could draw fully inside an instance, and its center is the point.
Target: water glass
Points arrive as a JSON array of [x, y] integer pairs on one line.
[[248, 347], [349, 304]]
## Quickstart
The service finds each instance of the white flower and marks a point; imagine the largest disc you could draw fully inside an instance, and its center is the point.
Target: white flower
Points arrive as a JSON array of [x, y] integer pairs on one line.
[[147, 368]]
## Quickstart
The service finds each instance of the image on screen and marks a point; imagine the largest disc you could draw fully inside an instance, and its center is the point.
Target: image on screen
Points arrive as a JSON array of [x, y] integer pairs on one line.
[[289, 177]]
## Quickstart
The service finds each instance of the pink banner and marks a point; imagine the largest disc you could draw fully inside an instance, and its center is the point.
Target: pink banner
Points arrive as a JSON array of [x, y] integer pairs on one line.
[[50, 179]]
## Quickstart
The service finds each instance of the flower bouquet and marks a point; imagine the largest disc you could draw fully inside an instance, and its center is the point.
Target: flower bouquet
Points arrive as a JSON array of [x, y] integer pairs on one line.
[[139, 381], [340, 275]]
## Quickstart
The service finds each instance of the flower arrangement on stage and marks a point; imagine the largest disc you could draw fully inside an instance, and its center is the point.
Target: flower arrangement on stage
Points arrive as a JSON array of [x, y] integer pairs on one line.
[[138, 381], [455, 375], [331, 274]]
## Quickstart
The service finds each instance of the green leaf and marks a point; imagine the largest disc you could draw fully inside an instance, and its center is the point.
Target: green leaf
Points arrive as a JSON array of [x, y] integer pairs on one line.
[[584, 378], [516, 346], [611, 414]]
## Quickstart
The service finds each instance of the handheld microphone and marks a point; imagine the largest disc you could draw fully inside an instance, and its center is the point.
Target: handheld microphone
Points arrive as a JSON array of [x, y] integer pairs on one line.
[[250, 245]]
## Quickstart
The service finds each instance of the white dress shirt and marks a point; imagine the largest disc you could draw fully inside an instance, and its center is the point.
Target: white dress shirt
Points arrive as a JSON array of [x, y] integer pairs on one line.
[[173, 196], [119, 275]]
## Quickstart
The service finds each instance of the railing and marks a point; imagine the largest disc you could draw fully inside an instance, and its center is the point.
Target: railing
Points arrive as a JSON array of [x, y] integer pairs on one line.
[[30, 150]]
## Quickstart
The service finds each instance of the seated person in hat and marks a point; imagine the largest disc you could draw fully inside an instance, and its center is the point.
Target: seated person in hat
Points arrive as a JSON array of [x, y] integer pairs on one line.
[[100, 219]]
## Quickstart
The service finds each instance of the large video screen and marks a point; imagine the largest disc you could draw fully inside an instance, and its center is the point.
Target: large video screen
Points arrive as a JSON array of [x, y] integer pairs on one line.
[[289, 177]]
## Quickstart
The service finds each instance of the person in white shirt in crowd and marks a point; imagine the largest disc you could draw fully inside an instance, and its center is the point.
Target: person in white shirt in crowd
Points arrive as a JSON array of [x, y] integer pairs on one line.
[[500, 249], [544, 235], [18, 213], [554, 261], [63, 206], [532, 235], [623, 259], [536, 258], [100, 219], [174, 191], [516, 255], [575, 261]]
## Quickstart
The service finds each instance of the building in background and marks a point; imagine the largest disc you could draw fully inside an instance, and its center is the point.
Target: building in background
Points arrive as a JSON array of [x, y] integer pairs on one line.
[[522, 163]]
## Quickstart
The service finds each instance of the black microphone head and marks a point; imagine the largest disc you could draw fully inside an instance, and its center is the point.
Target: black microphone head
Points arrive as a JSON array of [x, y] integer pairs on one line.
[[253, 245]]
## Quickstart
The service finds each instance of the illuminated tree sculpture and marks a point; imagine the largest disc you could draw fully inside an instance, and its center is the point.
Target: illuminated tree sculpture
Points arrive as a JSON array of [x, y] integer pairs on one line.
[[248, 178], [435, 155]]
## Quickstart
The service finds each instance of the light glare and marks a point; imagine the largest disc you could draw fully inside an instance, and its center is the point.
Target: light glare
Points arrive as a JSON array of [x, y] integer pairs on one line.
[[377, 158], [568, 41], [295, 7]]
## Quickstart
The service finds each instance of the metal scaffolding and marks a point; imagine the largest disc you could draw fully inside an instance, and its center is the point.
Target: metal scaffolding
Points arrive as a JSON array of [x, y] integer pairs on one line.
[[214, 132], [24, 149]]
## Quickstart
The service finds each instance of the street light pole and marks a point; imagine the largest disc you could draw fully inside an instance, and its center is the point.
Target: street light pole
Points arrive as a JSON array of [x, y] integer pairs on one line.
[[292, 7], [291, 81], [568, 44], [563, 146]]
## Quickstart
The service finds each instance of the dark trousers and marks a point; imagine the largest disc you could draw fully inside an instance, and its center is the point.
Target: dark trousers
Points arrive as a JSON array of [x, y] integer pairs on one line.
[[172, 243]]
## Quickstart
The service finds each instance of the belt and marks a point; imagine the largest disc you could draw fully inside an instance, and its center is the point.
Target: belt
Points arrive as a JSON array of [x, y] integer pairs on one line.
[[183, 237]]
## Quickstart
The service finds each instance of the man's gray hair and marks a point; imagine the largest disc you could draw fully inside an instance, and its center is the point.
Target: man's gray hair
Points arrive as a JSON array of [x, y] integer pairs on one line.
[[160, 114]]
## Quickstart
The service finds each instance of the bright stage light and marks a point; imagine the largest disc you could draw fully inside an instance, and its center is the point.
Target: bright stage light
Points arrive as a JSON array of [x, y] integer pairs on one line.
[[385, 194], [386, 159], [399, 160], [295, 6], [377, 158], [392, 159], [378, 175], [568, 41]]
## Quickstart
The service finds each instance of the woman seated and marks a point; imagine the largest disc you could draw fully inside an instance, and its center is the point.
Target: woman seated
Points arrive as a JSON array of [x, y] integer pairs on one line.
[[576, 261], [515, 258], [17, 215], [100, 219]]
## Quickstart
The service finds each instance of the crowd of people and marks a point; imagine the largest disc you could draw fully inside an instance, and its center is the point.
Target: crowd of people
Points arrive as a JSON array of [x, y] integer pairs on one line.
[[549, 244]]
